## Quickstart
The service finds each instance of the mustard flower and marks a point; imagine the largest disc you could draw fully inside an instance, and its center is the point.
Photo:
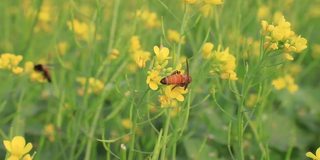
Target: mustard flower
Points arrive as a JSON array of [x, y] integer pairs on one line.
[[153, 79], [263, 12], [81, 29], [114, 54], [141, 57], [314, 156], [94, 85], [207, 50], [175, 36], [34, 76], [10, 62], [17, 148], [285, 82], [135, 44], [225, 64], [126, 123], [162, 54], [176, 93], [149, 18], [49, 131]]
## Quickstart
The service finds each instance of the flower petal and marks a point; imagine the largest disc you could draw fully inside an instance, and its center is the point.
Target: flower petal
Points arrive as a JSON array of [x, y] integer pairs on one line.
[[27, 157], [318, 153], [311, 155], [179, 97], [153, 86], [17, 144], [7, 145], [12, 157], [156, 49], [27, 148]]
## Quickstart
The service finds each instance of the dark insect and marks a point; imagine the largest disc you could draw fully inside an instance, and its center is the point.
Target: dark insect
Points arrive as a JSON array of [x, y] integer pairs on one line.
[[178, 79], [44, 70]]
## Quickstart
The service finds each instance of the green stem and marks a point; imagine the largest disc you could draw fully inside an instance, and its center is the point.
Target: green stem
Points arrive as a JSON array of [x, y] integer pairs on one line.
[[165, 136]]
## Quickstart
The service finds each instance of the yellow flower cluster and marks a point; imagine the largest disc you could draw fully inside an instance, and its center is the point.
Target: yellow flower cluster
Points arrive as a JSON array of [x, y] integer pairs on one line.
[[139, 56], [18, 149], [10, 62], [81, 29], [174, 36], [94, 85], [285, 82], [160, 70], [223, 62], [149, 18], [280, 36]]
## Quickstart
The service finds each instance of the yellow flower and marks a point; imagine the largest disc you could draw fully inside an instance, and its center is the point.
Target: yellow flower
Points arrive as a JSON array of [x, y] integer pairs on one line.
[[10, 61], [314, 156], [149, 18], [114, 54], [207, 50], [263, 12], [141, 57], [135, 44], [81, 29], [126, 123], [175, 36], [214, 2], [288, 57], [162, 54], [285, 82], [94, 85], [18, 148], [49, 131], [153, 79], [176, 93], [190, 1], [299, 43], [225, 64]]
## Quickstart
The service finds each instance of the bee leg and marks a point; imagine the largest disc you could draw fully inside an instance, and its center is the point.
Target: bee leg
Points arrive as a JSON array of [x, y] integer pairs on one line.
[[175, 72], [174, 87], [185, 86]]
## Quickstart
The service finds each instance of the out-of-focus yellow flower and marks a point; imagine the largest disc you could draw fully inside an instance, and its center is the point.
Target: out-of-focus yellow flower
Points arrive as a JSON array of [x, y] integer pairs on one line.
[[314, 156], [288, 56], [126, 123], [94, 85], [10, 62], [114, 54], [149, 18], [207, 50], [139, 56], [62, 47], [162, 54], [81, 29], [263, 12], [135, 44], [49, 131], [214, 2], [190, 1], [224, 64], [175, 36], [34, 76], [17, 148], [176, 93], [153, 79], [252, 100], [285, 82]]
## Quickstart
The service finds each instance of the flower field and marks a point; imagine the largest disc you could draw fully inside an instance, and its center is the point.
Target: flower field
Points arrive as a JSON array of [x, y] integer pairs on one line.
[[160, 79]]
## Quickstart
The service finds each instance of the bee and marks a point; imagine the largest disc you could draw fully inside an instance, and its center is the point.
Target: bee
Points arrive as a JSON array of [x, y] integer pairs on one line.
[[44, 70], [178, 79]]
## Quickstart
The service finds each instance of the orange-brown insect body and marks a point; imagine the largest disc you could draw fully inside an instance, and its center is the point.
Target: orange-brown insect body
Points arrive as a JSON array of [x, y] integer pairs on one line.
[[44, 70], [177, 79]]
